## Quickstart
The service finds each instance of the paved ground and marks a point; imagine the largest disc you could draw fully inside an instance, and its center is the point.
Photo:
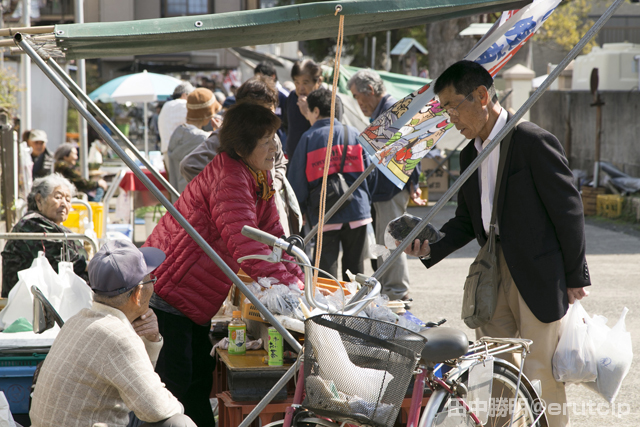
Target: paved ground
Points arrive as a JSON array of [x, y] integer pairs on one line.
[[614, 261]]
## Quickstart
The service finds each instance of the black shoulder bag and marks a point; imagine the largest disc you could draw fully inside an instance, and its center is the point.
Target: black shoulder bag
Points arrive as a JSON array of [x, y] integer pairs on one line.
[[336, 184]]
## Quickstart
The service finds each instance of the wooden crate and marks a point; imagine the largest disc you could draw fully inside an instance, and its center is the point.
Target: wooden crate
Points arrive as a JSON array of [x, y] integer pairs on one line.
[[590, 199]]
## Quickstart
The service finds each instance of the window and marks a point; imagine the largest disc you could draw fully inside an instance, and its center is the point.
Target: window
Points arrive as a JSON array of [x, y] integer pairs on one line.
[[186, 7]]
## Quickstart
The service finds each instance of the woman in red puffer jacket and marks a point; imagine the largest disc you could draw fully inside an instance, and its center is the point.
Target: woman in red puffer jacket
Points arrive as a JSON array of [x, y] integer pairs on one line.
[[234, 190]]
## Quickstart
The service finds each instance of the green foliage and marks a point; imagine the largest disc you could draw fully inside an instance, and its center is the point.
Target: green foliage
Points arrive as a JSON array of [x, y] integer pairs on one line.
[[567, 25], [8, 91]]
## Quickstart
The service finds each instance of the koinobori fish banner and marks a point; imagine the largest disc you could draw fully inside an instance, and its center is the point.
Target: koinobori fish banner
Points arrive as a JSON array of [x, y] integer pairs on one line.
[[398, 139]]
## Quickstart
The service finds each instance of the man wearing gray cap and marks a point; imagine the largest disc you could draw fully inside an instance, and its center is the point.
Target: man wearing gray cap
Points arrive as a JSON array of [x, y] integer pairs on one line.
[[42, 158], [100, 369], [172, 115]]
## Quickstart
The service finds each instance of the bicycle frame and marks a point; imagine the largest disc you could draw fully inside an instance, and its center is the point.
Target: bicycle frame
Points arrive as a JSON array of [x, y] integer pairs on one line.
[[442, 388], [483, 348]]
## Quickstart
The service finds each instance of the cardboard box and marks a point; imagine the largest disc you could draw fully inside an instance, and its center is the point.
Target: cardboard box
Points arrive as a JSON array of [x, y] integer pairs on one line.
[[249, 311], [439, 181]]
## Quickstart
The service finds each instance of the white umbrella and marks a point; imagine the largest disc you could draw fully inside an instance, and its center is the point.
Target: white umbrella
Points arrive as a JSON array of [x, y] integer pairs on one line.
[[141, 87]]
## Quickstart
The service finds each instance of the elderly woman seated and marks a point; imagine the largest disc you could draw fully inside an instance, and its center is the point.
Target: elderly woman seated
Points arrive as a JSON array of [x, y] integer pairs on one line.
[[235, 189], [49, 204]]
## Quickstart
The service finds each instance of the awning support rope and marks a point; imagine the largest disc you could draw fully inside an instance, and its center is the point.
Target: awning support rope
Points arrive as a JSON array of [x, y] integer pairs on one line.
[[327, 159]]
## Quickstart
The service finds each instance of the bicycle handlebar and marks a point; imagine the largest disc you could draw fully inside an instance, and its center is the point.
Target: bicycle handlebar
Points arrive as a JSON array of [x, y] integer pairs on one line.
[[259, 235], [363, 298]]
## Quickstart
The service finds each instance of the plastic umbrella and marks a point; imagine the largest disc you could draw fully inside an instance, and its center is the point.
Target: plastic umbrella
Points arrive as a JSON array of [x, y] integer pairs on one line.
[[140, 87]]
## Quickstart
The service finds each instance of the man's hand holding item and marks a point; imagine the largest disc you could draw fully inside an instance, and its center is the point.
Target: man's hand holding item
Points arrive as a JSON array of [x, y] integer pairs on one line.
[[576, 294]]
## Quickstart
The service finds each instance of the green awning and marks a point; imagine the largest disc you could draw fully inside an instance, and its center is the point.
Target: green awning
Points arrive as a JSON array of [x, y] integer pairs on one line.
[[262, 26]]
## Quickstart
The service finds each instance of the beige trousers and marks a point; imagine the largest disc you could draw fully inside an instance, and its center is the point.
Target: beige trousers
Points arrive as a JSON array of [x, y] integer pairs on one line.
[[513, 319]]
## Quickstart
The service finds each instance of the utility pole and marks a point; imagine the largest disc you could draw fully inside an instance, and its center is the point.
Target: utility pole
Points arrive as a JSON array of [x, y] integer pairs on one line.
[[81, 78], [373, 52], [25, 64], [1, 26], [388, 61]]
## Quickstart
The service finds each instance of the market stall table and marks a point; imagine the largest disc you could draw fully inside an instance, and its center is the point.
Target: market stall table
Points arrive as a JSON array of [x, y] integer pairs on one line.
[[131, 183], [240, 381]]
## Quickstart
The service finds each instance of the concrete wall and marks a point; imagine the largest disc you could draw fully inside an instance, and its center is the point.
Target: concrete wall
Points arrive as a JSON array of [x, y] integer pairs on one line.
[[116, 10], [569, 116], [147, 9]]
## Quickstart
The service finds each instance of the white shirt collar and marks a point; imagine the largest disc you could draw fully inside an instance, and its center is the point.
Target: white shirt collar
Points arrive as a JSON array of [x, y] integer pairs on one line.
[[497, 127]]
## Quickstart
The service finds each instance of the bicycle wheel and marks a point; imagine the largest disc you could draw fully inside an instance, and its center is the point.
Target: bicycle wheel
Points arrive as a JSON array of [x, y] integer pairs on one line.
[[505, 379]]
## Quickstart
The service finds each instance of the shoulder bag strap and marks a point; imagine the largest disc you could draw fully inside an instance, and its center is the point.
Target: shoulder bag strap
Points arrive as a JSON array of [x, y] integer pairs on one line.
[[345, 146], [504, 149]]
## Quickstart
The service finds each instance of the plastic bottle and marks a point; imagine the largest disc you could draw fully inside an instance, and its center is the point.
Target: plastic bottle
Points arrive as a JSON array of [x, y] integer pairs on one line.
[[237, 335]]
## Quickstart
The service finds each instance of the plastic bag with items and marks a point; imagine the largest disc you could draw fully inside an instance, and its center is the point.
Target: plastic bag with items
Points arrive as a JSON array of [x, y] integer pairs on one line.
[[66, 292], [613, 355], [574, 360]]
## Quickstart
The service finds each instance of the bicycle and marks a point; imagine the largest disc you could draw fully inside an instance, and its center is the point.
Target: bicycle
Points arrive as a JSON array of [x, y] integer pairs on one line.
[[356, 370]]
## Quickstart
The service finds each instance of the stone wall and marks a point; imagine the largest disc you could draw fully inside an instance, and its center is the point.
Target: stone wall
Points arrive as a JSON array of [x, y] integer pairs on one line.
[[570, 117]]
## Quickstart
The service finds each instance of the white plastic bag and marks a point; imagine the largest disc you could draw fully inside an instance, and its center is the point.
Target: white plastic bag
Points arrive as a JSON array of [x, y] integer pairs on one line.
[[613, 354], [75, 293], [6, 419], [575, 358], [66, 292]]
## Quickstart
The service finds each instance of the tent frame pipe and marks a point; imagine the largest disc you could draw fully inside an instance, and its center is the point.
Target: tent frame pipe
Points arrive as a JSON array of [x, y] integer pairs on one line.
[[496, 141], [360, 180], [77, 91], [66, 91], [24, 44], [50, 236]]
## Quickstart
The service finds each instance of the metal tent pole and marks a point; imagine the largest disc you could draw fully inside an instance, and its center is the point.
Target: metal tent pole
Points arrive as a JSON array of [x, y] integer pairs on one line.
[[145, 112], [496, 141], [82, 82], [98, 112], [26, 47], [25, 63]]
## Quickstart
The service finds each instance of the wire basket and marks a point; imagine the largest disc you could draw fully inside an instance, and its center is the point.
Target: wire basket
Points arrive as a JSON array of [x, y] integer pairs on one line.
[[357, 369]]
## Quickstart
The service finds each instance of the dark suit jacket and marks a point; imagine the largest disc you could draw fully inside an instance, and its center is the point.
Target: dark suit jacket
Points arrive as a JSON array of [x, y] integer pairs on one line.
[[540, 219]]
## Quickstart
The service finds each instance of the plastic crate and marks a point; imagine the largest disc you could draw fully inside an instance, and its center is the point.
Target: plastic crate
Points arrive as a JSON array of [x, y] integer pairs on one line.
[[32, 360], [609, 205], [15, 382]]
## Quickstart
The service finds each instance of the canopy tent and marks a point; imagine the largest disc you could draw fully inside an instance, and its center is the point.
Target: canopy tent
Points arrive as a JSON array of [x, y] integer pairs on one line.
[[49, 66], [261, 26]]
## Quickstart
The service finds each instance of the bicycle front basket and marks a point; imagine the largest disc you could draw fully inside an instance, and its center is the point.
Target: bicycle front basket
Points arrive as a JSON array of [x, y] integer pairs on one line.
[[358, 369]]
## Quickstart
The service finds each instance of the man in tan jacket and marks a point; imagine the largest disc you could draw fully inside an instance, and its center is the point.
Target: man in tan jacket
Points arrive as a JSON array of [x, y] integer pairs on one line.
[[100, 369]]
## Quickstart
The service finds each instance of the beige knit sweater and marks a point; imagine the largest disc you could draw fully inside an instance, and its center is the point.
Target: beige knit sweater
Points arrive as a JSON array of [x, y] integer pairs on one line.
[[98, 370]]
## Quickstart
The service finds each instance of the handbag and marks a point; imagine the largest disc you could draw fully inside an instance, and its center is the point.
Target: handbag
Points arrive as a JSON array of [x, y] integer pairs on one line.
[[481, 286], [336, 184]]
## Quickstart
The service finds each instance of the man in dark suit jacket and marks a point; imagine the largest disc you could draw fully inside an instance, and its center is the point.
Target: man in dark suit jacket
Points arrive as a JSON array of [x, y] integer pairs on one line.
[[540, 224]]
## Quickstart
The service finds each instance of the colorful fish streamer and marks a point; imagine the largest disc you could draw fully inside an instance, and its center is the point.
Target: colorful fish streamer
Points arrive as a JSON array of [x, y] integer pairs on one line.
[[399, 138]]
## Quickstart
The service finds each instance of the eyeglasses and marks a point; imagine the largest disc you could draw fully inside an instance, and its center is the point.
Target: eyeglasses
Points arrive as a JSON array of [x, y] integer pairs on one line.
[[153, 280], [453, 111]]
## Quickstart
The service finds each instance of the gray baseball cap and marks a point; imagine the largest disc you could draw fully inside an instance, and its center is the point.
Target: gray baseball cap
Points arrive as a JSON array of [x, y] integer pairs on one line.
[[119, 266]]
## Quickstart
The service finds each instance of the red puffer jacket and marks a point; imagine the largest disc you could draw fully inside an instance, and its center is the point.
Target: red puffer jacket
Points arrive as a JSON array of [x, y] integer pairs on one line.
[[217, 203]]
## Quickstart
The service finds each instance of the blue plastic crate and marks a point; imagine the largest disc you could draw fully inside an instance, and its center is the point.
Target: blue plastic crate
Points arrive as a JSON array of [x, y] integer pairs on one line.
[[15, 382]]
